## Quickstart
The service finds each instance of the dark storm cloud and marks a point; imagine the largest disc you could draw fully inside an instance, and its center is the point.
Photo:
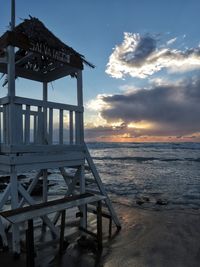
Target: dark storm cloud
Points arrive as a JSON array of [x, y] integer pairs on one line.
[[173, 109]]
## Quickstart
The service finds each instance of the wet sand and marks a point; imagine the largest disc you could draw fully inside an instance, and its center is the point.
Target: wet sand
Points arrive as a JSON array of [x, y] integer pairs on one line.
[[149, 238], [161, 238]]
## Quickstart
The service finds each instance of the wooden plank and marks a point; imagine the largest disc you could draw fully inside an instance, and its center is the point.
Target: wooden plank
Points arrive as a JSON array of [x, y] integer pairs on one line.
[[59, 73], [5, 130], [45, 98], [62, 232], [70, 190], [4, 40], [83, 209], [99, 224], [4, 159], [61, 127], [71, 127], [37, 206], [47, 104], [81, 127], [30, 261], [5, 196], [34, 158], [45, 186], [27, 125], [31, 202], [50, 140], [18, 124], [79, 89], [23, 73], [38, 210], [77, 128], [11, 38], [3, 235], [24, 59], [30, 148], [11, 93], [1, 125], [12, 21], [101, 188], [14, 203], [31, 112], [40, 126], [5, 168], [4, 100], [80, 104], [48, 165], [35, 129], [31, 187]]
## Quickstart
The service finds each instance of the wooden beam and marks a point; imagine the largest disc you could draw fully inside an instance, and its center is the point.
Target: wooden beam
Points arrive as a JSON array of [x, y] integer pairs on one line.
[[37, 210], [47, 104], [59, 73], [62, 232], [71, 127], [30, 148], [11, 38], [50, 76], [4, 100], [27, 159], [45, 99], [80, 104], [101, 187], [23, 73], [12, 21], [30, 262], [99, 224], [48, 165], [24, 59], [14, 204]]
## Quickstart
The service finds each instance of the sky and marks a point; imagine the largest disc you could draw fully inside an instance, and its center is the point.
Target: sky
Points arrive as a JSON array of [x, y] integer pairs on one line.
[[146, 83]]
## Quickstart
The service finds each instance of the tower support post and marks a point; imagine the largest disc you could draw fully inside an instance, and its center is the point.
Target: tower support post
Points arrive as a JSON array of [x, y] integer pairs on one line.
[[14, 205]]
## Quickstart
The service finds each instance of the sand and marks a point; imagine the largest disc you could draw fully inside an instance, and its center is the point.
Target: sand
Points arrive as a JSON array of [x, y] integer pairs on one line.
[[156, 238], [149, 238]]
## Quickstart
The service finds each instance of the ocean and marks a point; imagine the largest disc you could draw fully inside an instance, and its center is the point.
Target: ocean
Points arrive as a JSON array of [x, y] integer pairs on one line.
[[165, 173], [143, 174]]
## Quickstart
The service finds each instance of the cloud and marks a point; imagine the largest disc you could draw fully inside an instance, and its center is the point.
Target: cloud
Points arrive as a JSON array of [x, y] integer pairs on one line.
[[139, 56], [171, 41], [163, 110]]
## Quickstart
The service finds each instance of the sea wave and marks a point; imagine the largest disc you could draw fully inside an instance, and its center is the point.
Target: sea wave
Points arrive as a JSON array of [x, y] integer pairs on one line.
[[142, 159], [164, 146]]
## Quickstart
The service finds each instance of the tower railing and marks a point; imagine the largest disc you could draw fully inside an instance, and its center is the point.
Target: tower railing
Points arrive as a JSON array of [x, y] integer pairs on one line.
[[39, 122]]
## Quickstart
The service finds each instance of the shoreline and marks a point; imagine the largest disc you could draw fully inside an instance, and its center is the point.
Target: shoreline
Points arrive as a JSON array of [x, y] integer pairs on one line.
[[148, 238], [156, 238]]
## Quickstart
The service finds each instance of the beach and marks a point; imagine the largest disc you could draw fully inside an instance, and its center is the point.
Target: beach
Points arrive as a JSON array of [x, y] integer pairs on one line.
[[156, 238], [155, 192], [148, 238]]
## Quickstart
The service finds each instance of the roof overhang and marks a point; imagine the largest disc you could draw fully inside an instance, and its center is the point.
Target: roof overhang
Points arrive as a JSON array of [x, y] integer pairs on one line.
[[39, 54]]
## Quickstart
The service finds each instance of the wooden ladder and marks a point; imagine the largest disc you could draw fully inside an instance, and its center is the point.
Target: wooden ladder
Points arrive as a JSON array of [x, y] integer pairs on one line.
[[101, 190]]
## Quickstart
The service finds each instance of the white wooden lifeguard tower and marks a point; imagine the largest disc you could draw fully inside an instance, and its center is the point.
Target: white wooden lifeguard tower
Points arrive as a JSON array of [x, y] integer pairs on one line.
[[31, 51]]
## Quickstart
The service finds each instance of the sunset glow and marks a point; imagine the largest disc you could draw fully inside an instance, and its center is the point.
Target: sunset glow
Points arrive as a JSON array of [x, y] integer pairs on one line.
[[145, 84], [140, 125]]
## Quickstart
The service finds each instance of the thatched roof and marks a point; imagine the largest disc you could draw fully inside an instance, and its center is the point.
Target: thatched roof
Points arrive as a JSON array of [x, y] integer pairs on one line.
[[41, 55]]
